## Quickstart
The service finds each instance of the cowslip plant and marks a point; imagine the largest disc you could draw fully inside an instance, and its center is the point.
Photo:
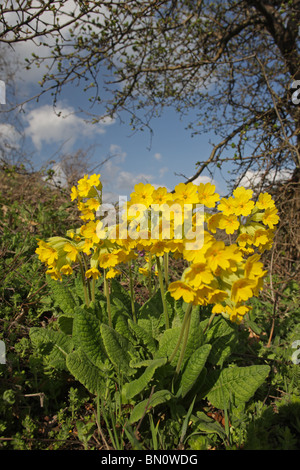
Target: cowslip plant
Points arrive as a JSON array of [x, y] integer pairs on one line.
[[175, 345]]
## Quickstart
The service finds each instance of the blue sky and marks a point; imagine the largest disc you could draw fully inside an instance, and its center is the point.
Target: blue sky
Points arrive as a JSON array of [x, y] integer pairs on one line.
[[138, 157]]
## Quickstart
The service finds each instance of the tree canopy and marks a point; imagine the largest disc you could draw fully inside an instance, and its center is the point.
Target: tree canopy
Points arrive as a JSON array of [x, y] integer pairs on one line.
[[233, 62]]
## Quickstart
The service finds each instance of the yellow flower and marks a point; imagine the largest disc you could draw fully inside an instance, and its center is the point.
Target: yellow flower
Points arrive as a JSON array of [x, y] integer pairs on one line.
[[87, 213], [66, 269], [142, 194], [89, 231], [235, 314], [207, 195], [179, 289], [92, 272], [94, 180], [229, 223], [242, 290], [253, 267], [216, 256], [46, 253], [88, 245], [270, 217], [86, 186], [83, 186], [112, 272], [185, 193], [244, 239], [213, 222], [159, 247], [198, 274], [92, 204], [74, 193], [265, 201], [54, 274], [227, 206], [243, 202], [217, 295], [144, 271], [261, 237], [108, 260], [72, 251], [161, 196], [243, 193]]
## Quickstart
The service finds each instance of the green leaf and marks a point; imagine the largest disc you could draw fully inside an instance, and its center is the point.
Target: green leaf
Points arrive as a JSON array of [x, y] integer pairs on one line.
[[121, 325], [54, 346], [66, 324], [88, 336], [193, 368], [136, 386], [158, 398], [167, 343], [223, 337], [118, 292], [195, 339], [235, 385], [85, 372], [153, 307], [117, 348], [144, 335], [62, 296]]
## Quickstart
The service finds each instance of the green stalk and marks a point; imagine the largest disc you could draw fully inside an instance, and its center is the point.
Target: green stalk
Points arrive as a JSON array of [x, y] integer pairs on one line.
[[183, 348], [93, 289], [131, 293], [88, 282], [106, 290], [83, 282], [209, 322], [185, 324], [166, 269], [150, 275], [162, 291]]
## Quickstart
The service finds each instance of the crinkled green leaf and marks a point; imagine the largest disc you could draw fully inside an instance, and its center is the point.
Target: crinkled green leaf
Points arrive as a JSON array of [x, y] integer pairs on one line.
[[235, 385], [136, 386], [144, 335], [54, 345], [62, 296], [117, 348], [88, 336], [193, 368], [85, 372]]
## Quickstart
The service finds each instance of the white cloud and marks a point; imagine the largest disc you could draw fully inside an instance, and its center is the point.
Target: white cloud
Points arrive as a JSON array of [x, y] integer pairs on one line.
[[62, 126], [203, 179], [252, 179], [158, 156]]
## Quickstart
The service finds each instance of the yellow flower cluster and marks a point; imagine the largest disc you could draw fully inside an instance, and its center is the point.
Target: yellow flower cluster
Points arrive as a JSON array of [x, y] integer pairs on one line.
[[222, 246]]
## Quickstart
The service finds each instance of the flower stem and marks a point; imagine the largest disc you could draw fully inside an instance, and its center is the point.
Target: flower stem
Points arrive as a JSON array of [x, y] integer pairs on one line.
[[93, 289], [185, 325], [162, 291], [166, 269], [185, 340], [209, 322], [150, 275], [106, 290], [131, 293], [84, 283]]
